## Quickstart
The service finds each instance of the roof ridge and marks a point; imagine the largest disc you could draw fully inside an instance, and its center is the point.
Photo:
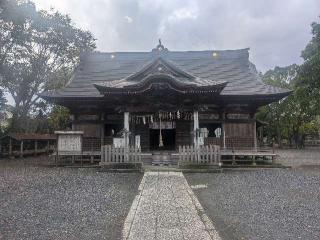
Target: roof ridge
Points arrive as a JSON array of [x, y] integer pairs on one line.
[[169, 51]]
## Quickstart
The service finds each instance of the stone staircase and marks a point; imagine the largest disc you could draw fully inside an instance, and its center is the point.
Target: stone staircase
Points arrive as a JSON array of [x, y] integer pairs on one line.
[[163, 158]]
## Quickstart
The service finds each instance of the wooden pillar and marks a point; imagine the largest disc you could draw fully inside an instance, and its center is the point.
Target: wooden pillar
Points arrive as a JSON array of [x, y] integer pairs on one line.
[[255, 135], [57, 150], [195, 128], [21, 148], [35, 147], [126, 128], [102, 134], [73, 117]]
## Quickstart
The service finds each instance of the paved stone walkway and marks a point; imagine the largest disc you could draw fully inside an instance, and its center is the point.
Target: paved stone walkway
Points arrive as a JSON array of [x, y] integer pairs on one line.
[[166, 208]]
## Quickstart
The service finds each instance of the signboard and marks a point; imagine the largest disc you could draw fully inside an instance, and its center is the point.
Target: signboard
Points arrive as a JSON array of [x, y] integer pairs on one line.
[[69, 142]]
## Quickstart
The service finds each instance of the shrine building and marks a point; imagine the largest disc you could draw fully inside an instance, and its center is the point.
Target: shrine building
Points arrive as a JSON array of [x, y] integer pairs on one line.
[[164, 99]]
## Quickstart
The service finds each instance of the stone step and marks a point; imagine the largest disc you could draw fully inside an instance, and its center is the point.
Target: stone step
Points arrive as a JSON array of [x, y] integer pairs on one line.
[[162, 159]]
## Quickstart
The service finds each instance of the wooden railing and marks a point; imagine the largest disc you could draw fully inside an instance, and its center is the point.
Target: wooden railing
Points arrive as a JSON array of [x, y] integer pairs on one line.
[[209, 154], [111, 154]]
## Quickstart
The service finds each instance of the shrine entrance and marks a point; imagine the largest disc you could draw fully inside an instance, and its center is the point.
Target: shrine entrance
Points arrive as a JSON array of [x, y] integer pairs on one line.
[[162, 136], [168, 139]]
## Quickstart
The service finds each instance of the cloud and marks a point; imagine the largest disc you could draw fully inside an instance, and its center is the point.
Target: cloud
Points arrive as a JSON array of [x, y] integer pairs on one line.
[[276, 31], [128, 19]]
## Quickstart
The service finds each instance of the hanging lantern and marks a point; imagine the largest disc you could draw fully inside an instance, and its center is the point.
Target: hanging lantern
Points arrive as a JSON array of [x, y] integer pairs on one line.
[[178, 114], [144, 120]]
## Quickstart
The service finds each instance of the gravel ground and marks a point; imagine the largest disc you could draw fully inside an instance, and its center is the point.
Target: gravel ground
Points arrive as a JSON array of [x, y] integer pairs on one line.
[[298, 157], [63, 203], [264, 204]]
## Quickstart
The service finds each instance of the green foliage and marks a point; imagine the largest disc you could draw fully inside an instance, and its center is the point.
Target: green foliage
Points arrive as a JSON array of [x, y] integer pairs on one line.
[[3, 114], [38, 51], [2, 101], [309, 77], [279, 115], [299, 113], [59, 118]]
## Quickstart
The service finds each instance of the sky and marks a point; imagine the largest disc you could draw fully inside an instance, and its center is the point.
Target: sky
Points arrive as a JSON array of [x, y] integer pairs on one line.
[[276, 31]]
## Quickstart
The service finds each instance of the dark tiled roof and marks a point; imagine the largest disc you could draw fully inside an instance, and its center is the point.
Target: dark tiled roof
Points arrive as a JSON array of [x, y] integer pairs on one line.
[[209, 67]]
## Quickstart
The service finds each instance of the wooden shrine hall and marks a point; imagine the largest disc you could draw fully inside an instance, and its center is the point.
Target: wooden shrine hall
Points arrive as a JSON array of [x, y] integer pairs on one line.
[[160, 100]]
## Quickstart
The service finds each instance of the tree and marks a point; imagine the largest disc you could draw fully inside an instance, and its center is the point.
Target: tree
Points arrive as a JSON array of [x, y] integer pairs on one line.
[[3, 114], [290, 118], [275, 114], [309, 76], [2, 101], [36, 49], [299, 113], [59, 118]]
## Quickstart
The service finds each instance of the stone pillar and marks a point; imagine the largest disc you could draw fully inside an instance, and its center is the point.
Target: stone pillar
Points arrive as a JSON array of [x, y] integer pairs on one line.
[[126, 128], [195, 127]]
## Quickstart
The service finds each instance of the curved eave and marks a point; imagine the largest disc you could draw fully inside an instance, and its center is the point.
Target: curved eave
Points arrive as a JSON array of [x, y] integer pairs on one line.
[[259, 99], [161, 81], [196, 89]]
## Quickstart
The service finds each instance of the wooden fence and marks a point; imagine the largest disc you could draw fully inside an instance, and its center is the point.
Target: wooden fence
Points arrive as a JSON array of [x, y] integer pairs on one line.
[[208, 155], [111, 154]]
